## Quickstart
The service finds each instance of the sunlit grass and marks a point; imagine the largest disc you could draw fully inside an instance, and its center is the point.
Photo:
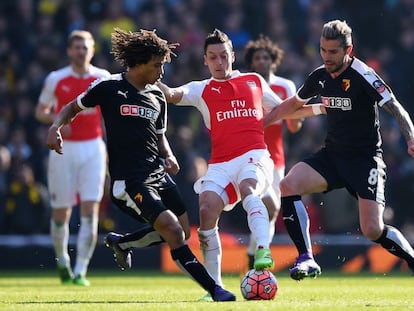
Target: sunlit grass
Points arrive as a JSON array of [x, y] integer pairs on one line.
[[155, 291]]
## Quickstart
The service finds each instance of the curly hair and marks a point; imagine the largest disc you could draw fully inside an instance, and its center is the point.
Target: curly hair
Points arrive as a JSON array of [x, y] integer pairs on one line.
[[139, 47], [263, 43]]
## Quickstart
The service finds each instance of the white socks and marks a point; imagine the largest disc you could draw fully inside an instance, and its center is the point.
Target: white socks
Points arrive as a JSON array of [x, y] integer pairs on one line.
[[257, 219], [60, 239], [251, 248], [87, 237], [210, 246]]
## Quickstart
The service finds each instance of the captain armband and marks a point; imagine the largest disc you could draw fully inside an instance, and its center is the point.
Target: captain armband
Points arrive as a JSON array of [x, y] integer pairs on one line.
[[316, 109]]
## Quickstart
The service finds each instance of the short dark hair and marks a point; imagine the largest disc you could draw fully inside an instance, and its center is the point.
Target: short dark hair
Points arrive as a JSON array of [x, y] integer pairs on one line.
[[80, 35], [263, 43], [338, 30], [134, 48], [217, 37]]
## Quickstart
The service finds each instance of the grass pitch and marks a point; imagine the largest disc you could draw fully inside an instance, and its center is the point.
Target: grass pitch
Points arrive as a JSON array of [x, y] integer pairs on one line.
[[113, 290]]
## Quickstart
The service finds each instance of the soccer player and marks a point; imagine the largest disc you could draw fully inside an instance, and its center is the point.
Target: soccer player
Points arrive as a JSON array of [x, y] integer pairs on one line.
[[351, 94], [232, 105], [264, 56], [135, 115], [80, 172]]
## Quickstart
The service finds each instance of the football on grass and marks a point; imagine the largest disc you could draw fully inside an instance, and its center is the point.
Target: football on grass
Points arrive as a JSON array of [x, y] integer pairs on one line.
[[258, 285]]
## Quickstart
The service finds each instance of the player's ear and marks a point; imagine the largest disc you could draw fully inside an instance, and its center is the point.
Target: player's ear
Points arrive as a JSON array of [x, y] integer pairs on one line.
[[205, 60], [349, 49]]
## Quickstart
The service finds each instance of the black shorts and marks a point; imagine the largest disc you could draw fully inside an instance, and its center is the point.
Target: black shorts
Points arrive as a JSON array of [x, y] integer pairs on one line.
[[362, 173], [144, 200]]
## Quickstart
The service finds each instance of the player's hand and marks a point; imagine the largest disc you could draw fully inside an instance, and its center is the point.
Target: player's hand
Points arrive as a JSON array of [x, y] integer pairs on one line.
[[171, 165], [54, 139], [410, 147]]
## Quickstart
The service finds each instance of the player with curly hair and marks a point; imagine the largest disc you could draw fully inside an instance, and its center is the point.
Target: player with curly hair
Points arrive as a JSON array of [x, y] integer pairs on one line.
[[135, 114]]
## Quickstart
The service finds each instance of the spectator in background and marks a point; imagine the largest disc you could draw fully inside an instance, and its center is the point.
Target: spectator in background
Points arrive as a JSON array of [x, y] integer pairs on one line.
[[114, 15], [5, 162], [81, 170], [27, 208]]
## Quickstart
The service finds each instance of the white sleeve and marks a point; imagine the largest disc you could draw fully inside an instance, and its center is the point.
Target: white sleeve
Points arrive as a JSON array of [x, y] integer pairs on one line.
[[47, 95], [290, 88], [192, 92], [269, 99]]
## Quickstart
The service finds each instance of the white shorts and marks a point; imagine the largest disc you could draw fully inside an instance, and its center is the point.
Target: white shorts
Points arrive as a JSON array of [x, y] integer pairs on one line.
[[79, 171], [278, 174], [224, 178]]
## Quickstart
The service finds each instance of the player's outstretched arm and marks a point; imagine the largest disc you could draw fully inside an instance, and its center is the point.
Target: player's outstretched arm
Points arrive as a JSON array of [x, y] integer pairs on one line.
[[404, 122], [293, 108], [65, 116], [172, 95]]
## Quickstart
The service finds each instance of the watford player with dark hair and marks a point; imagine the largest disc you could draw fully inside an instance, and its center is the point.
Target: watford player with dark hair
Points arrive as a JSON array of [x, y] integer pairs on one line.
[[351, 94]]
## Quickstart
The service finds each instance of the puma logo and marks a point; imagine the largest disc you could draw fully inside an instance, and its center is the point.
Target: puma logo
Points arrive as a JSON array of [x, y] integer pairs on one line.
[[371, 189], [122, 93], [217, 89], [190, 262], [322, 83], [291, 218]]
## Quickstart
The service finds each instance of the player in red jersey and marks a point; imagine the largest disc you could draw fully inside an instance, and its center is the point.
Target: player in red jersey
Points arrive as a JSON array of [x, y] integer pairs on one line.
[[240, 168], [264, 56], [80, 172]]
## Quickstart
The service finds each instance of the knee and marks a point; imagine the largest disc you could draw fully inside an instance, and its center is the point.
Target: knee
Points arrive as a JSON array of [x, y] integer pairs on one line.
[[371, 230], [285, 186], [210, 210], [175, 233], [208, 214], [187, 234]]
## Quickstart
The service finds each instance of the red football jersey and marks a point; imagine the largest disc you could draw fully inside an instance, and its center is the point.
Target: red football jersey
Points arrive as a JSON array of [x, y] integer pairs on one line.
[[284, 88], [64, 85], [233, 111]]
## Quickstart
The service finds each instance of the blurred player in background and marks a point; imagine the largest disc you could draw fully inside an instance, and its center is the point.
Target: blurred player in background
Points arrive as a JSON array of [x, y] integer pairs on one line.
[[264, 56], [80, 172], [352, 158], [135, 115]]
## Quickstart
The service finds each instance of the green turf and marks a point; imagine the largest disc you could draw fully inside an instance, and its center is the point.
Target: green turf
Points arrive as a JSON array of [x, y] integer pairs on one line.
[[115, 291]]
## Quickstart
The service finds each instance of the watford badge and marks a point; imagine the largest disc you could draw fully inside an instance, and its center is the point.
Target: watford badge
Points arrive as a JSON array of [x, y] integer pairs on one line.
[[346, 84]]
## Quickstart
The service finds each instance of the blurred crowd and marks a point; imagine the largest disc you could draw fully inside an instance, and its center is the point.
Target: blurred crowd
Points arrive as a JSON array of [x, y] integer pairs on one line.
[[33, 42]]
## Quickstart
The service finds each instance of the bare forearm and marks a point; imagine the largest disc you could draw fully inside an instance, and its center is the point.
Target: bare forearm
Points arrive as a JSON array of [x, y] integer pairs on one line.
[[164, 147], [293, 109], [66, 115], [402, 117], [44, 114], [170, 162], [172, 95], [306, 111]]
